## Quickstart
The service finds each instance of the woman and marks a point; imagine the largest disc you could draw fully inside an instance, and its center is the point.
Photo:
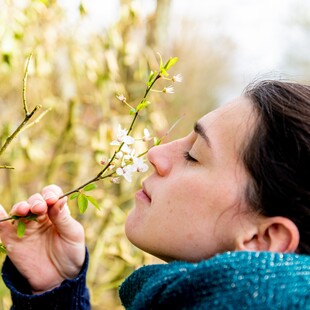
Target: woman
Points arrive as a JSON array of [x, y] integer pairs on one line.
[[228, 205]]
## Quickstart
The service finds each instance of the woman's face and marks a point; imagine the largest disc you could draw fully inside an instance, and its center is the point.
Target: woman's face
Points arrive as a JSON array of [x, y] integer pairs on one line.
[[192, 206]]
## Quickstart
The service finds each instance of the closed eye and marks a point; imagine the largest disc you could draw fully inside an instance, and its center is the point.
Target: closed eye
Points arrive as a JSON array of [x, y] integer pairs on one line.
[[188, 157]]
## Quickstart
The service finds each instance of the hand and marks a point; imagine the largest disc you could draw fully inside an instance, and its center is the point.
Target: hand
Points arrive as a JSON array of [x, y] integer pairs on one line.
[[52, 248]]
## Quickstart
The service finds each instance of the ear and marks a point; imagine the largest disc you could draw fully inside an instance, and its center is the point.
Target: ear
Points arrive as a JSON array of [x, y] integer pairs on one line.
[[274, 234]]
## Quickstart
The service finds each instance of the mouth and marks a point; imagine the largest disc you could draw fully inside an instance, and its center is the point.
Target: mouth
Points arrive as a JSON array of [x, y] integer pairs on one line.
[[146, 192], [142, 194]]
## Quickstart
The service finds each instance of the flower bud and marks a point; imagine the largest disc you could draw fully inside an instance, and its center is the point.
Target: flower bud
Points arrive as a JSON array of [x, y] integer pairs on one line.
[[116, 180]]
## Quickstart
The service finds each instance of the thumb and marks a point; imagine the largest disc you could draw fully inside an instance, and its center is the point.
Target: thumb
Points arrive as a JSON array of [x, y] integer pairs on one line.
[[65, 224], [3, 215]]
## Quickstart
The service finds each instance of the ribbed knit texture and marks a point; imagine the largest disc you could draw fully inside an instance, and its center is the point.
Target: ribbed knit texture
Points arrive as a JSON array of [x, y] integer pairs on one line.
[[233, 280]]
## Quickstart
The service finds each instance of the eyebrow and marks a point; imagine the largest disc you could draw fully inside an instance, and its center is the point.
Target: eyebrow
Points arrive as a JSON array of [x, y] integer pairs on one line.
[[202, 132]]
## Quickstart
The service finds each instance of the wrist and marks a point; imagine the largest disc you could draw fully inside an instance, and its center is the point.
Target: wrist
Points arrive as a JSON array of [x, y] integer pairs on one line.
[[44, 289], [60, 274]]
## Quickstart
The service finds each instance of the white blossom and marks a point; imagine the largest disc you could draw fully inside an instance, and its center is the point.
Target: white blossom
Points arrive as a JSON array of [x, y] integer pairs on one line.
[[139, 165], [125, 172], [128, 140], [116, 180], [147, 135], [126, 149], [121, 97], [119, 155], [130, 163], [122, 137], [168, 90], [177, 78], [111, 166]]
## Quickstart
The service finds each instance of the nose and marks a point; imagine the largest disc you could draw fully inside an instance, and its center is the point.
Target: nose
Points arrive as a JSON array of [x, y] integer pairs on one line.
[[161, 158]]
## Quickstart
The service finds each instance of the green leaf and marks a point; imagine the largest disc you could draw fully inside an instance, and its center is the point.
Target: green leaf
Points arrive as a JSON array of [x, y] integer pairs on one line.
[[152, 76], [143, 104], [164, 72], [89, 187], [171, 62], [93, 201], [82, 202], [157, 141], [132, 111], [31, 217], [74, 195], [21, 228], [160, 61], [2, 248]]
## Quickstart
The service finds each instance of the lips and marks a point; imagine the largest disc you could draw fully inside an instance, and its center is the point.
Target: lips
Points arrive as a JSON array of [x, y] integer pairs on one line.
[[146, 192]]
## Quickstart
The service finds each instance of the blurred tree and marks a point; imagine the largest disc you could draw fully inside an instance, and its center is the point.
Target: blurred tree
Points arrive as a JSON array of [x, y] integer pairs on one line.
[[296, 60], [75, 76], [158, 23]]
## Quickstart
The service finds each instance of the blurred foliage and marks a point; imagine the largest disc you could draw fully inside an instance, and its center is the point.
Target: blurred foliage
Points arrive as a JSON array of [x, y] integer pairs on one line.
[[297, 59], [76, 76]]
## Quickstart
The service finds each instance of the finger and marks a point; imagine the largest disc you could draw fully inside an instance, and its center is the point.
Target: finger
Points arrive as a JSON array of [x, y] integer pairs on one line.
[[67, 226], [21, 208], [51, 193], [3, 215], [37, 204]]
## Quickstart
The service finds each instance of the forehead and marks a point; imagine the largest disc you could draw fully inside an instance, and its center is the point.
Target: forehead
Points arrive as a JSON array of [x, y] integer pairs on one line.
[[229, 125], [236, 108]]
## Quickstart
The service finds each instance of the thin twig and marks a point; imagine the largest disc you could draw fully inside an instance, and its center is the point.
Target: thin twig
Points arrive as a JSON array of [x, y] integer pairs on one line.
[[172, 127], [37, 120], [18, 129], [6, 167], [6, 219], [25, 85], [95, 179], [28, 114]]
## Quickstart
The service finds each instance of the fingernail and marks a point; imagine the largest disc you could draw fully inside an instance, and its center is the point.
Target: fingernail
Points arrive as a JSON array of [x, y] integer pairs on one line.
[[49, 196], [37, 202]]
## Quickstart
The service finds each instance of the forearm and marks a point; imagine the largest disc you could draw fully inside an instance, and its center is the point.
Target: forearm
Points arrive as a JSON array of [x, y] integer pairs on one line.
[[70, 294]]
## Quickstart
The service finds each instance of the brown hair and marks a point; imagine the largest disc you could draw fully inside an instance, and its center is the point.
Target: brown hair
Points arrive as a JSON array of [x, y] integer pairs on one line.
[[277, 157]]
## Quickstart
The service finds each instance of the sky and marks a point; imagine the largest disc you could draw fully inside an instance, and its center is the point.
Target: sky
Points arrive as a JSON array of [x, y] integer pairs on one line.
[[263, 30]]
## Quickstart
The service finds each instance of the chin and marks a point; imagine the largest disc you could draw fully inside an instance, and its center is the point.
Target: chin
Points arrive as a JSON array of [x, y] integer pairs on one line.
[[135, 236], [132, 228]]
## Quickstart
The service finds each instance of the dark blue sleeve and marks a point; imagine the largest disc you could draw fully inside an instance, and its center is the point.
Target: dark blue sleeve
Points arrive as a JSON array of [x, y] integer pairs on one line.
[[72, 294]]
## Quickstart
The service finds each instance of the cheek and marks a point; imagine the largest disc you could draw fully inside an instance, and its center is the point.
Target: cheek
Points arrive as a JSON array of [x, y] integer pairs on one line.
[[184, 199], [193, 189], [181, 191]]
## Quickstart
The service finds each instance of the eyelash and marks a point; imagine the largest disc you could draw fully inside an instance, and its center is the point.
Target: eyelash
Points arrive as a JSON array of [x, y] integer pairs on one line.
[[188, 157]]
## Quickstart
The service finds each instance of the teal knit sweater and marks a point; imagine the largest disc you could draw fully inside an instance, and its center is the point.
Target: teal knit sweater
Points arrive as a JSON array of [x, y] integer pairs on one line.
[[233, 280]]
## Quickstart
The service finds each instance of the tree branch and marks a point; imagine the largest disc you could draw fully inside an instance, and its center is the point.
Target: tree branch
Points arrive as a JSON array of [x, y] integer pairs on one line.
[[28, 114]]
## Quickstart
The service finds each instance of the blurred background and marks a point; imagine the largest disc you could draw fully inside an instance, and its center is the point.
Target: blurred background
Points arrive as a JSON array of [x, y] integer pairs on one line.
[[87, 52]]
